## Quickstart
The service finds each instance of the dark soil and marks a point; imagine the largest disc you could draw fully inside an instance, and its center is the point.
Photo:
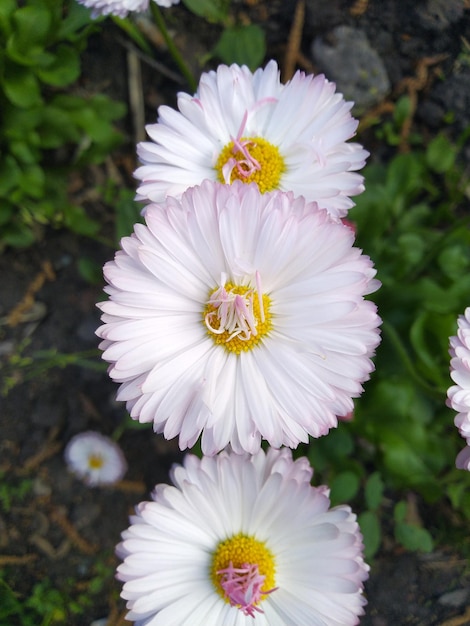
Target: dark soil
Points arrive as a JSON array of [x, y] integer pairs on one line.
[[52, 527]]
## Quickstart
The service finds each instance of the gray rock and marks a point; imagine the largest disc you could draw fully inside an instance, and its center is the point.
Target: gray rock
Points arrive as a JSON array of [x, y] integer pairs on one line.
[[437, 15], [456, 599], [349, 60]]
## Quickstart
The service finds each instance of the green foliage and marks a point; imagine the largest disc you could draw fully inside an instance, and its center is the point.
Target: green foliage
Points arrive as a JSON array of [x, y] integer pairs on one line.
[[244, 45], [47, 604], [11, 493], [211, 10], [412, 222], [411, 536], [40, 46], [21, 367]]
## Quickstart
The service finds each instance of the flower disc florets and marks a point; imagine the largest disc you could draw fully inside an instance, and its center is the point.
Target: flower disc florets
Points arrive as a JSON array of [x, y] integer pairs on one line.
[[240, 316], [242, 540], [250, 127]]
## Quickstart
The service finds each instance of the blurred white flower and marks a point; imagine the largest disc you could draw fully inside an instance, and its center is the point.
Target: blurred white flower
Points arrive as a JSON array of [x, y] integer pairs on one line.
[[250, 127], [242, 540], [120, 8], [95, 459]]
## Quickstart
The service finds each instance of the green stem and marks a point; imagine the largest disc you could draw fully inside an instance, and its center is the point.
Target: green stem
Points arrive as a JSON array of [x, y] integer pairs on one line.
[[160, 22]]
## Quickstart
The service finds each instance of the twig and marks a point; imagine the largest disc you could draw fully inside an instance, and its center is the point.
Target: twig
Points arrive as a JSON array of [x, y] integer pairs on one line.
[[71, 532], [359, 8], [294, 41], [136, 98], [49, 449], [16, 315], [7, 559], [156, 65], [461, 620]]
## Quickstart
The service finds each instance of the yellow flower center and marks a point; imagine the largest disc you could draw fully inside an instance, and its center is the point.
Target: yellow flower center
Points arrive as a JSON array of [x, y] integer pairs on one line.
[[251, 159], [95, 461], [243, 572], [237, 317]]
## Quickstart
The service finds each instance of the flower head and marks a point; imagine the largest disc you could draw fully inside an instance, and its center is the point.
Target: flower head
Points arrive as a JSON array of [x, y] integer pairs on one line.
[[239, 315], [120, 8], [459, 394], [96, 459], [250, 127], [239, 538]]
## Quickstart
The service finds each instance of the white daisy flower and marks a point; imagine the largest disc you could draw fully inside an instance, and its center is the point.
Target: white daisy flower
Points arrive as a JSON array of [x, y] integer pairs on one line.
[[95, 458], [120, 8], [242, 540], [250, 127], [239, 315], [459, 394]]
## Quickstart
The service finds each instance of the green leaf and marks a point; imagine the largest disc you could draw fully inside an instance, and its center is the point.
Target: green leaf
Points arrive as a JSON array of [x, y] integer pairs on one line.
[[28, 39], [127, 214], [64, 69], [57, 128], [25, 151], [105, 108], [7, 211], [17, 235], [404, 176], [211, 10], [78, 221], [245, 45], [402, 110], [441, 154], [21, 86], [399, 511], [413, 537], [32, 181], [373, 491], [344, 487], [10, 174], [90, 270], [371, 532], [454, 261], [73, 26], [7, 8]]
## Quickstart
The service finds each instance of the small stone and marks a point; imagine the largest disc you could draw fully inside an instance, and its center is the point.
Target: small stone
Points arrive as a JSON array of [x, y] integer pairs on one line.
[[438, 15], [455, 599], [355, 67]]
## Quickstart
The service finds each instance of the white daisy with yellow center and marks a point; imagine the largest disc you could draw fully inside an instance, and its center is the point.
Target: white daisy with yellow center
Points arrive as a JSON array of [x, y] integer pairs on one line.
[[242, 540], [250, 127], [240, 316]]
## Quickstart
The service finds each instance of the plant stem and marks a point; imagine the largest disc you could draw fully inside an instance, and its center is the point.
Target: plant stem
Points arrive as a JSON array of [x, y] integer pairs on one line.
[[160, 22]]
